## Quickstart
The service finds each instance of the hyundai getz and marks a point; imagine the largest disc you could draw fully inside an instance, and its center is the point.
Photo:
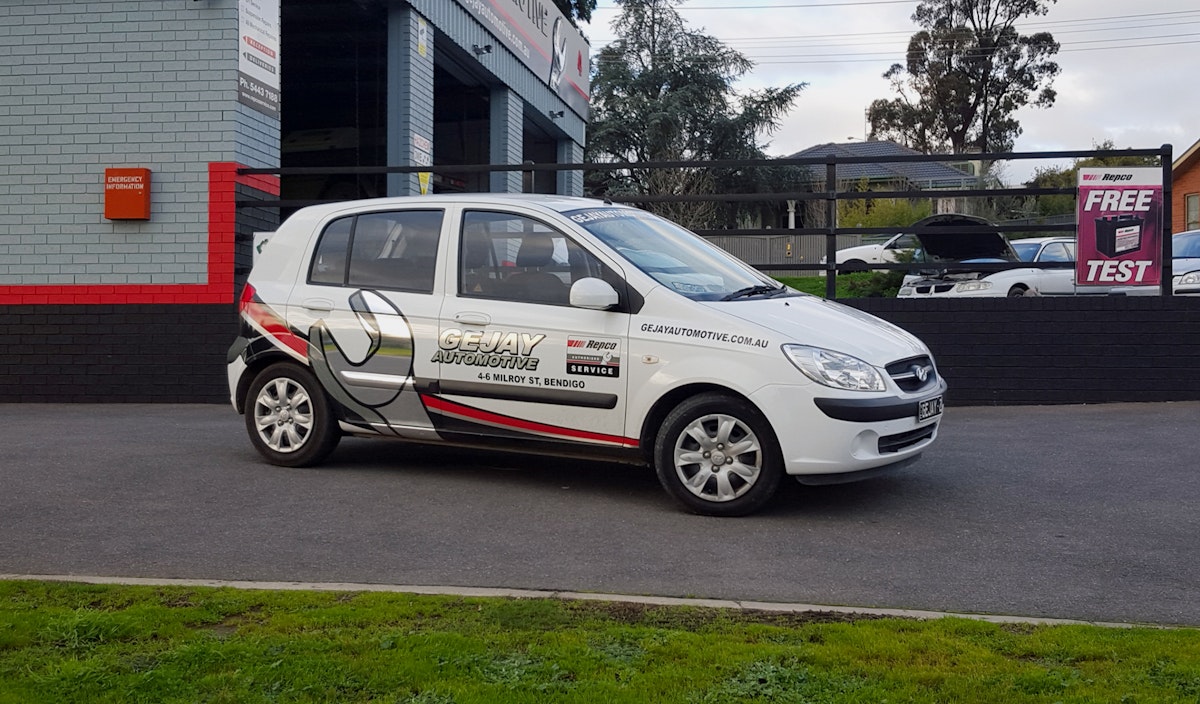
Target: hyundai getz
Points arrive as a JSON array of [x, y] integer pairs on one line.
[[570, 327]]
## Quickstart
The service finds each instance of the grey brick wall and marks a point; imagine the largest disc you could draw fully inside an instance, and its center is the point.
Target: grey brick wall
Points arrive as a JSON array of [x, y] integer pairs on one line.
[[132, 83], [458, 26], [506, 145], [410, 93]]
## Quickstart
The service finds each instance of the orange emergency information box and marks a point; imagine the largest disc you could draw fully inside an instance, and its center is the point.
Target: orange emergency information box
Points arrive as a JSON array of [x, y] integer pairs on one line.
[[127, 194]]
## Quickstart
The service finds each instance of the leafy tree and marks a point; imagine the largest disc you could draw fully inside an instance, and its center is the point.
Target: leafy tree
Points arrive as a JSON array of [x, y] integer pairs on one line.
[[576, 9], [664, 92], [966, 74], [881, 212], [879, 284], [1068, 177]]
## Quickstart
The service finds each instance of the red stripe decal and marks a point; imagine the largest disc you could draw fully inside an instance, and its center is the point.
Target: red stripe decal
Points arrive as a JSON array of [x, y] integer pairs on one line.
[[271, 323], [440, 404]]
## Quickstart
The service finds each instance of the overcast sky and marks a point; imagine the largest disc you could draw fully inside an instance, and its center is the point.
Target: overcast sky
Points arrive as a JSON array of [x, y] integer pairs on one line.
[[1130, 71]]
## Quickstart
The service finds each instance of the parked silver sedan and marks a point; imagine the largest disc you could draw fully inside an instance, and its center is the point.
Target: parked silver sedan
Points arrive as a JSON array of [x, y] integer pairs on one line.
[[1185, 263]]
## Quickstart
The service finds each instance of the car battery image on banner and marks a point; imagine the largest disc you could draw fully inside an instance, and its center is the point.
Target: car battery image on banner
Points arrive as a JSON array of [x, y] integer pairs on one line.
[[1118, 235]]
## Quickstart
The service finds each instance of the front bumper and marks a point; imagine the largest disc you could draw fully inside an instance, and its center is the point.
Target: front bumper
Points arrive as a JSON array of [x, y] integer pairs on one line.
[[819, 444], [946, 289], [1191, 288], [871, 410]]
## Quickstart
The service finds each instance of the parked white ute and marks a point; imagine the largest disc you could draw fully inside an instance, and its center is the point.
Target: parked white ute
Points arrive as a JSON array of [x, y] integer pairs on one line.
[[573, 327]]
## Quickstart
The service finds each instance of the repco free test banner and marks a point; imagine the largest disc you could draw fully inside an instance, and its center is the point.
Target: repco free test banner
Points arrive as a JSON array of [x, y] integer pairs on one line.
[[1118, 225]]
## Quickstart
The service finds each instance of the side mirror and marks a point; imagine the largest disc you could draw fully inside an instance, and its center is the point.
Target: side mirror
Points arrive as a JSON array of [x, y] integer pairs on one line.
[[593, 293]]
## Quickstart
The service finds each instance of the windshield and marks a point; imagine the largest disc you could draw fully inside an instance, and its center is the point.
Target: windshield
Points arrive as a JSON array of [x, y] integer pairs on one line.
[[1026, 250], [1186, 246], [676, 258]]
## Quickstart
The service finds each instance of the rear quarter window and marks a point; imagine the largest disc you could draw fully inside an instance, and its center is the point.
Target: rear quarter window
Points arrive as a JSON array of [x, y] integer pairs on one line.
[[329, 260]]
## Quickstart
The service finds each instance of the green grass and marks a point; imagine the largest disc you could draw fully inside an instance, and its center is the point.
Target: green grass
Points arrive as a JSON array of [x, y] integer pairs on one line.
[[816, 284], [66, 643]]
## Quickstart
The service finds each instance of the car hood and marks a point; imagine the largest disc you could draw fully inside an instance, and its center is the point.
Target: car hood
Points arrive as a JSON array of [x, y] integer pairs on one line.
[[943, 239], [1183, 265], [811, 320]]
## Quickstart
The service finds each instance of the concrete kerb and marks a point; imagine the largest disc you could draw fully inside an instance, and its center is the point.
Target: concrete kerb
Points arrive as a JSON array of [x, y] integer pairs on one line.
[[778, 607]]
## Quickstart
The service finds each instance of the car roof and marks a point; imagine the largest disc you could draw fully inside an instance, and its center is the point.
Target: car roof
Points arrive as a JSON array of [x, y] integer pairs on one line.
[[549, 201], [1042, 240]]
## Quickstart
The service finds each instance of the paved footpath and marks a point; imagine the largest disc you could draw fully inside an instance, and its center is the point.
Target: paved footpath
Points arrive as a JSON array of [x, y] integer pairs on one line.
[[1067, 512]]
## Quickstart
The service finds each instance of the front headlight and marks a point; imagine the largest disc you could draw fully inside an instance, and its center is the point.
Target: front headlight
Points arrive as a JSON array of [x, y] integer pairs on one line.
[[1192, 278], [905, 291], [840, 371], [968, 286]]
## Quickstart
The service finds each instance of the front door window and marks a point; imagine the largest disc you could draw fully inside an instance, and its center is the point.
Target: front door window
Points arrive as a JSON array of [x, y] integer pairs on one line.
[[516, 360]]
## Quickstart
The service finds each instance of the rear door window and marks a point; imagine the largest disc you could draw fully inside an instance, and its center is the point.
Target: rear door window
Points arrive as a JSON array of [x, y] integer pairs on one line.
[[386, 250], [395, 250]]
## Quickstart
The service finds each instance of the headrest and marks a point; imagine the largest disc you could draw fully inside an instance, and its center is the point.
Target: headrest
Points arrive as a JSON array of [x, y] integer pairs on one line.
[[537, 249], [421, 243], [475, 246]]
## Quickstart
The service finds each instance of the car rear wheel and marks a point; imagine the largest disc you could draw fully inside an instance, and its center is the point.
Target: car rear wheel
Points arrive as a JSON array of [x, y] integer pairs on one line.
[[717, 455], [288, 416]]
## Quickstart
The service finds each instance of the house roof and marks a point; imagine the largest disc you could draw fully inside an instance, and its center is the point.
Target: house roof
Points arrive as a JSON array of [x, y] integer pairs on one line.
[[930, 174], [1187, 159]]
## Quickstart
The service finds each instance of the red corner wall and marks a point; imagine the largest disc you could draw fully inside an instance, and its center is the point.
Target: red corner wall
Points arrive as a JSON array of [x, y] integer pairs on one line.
[[222, 220]]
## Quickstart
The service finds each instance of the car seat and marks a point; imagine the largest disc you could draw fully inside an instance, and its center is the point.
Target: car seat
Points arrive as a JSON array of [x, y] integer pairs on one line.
[[531, 283], [475, 270]]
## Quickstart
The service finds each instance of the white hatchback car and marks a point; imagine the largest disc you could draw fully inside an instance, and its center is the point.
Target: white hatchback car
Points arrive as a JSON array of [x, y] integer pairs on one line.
[[572, 327]]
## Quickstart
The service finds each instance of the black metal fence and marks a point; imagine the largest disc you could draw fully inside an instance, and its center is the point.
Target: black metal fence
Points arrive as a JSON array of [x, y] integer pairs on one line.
[[820, 189]]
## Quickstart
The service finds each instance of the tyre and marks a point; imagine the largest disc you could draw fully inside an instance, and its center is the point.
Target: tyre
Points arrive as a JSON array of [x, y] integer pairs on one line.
[[717, 456], [288, 416], [854, 266], [1018, 291]]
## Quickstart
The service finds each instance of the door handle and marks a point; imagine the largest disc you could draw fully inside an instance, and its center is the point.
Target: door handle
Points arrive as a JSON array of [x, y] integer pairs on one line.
[[321, 305], [479, 319]]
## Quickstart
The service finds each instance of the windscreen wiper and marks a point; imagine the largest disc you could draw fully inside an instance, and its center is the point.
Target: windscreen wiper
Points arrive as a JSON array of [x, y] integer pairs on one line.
[[755, 290]]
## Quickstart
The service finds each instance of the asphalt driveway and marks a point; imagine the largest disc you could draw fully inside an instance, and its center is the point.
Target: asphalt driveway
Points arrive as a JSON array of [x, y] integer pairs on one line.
[[1084, 512]]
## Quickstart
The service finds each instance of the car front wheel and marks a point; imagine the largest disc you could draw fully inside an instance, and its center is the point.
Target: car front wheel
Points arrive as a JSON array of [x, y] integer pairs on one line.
[[718, 456], [288, 417]]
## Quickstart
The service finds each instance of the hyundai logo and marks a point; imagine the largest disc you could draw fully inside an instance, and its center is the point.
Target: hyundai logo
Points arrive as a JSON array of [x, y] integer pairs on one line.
[[921, 372]]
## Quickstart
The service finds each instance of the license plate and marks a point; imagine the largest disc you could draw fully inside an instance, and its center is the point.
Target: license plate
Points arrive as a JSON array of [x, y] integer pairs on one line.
[[929, 408]]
